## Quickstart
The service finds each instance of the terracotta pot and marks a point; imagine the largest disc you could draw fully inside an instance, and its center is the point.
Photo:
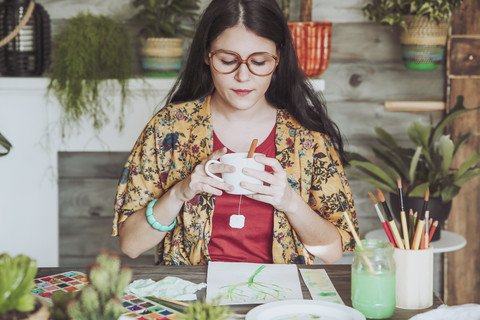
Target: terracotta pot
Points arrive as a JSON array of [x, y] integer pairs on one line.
[[161, 57], [312, 44], [423, 43], [438, 210]]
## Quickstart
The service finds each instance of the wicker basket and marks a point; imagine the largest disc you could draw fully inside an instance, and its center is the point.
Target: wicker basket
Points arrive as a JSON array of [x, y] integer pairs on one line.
[[162, 47], [161, 57], [423, 43]]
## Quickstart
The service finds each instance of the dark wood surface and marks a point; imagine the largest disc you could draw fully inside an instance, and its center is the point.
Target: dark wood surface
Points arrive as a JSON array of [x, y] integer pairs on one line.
[[462, 276], [339, 274]]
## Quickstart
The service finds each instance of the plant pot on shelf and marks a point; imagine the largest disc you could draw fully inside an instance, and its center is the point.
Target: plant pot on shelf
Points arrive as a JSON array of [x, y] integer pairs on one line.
[[161, 57], [438, 210], [423, 43], [312, 45]]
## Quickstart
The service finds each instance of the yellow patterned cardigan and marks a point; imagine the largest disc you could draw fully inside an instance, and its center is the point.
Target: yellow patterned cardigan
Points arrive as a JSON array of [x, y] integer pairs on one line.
[[180, 136]]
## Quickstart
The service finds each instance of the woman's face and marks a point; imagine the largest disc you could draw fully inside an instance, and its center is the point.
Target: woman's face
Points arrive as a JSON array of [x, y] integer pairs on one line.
[[241, 89]]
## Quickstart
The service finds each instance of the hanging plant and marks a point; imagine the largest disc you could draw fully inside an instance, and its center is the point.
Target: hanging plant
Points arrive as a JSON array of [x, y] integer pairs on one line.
[[5, 145], [87, 52]]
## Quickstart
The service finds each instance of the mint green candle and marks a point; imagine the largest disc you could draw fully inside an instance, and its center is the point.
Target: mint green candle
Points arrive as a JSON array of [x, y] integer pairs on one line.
[[373, 279]]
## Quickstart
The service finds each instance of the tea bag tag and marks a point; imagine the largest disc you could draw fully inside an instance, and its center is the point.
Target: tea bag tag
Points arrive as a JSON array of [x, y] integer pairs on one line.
[[237, 221]]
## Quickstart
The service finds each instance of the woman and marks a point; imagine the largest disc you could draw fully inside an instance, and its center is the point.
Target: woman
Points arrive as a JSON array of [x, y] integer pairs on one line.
[[241, 82]]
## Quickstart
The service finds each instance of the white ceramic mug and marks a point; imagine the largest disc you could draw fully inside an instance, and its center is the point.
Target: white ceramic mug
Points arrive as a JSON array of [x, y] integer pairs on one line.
[[239, 161], [414, 273]]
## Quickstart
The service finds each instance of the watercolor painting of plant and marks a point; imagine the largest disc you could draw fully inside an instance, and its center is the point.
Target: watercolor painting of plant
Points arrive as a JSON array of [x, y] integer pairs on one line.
[[251, 283], [255, 289]]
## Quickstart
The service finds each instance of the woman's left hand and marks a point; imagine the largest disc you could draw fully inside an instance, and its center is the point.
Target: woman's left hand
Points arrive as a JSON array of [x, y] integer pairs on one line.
[[275, 190]]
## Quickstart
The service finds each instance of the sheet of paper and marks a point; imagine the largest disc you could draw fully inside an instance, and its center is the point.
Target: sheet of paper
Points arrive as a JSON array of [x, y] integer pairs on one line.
[[320, 286], [252, 283]]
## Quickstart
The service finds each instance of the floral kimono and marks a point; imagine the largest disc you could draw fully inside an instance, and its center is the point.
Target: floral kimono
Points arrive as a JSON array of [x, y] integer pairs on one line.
[[181, 135]]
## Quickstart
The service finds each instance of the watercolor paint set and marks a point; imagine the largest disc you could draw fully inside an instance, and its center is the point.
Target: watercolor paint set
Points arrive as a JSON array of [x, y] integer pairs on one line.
[[137, 308]]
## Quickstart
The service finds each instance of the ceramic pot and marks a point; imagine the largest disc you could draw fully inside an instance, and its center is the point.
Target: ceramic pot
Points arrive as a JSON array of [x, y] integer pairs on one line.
[[438, 210], [312, 45], [423, 43]]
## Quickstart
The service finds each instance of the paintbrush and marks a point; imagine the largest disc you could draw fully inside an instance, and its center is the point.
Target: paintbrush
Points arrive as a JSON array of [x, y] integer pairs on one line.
[[421, 222], [382, 220], [355, 235], [391, 222], [403, 216]]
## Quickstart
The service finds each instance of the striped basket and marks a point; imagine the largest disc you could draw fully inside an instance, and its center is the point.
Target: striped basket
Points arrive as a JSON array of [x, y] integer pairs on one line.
[[161, 57], [423, 43]]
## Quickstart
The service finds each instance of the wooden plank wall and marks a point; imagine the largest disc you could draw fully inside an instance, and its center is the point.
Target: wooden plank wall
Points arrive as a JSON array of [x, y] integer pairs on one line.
[[365, 69], [462, 277]]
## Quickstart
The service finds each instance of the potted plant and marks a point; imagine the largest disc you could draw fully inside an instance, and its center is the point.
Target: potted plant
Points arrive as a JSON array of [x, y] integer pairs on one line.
[[87, 53], [311, 39], [5, 145], [101, 298], [163, 26], [16, 282], [424, 25], [203, 310], [428, 164]]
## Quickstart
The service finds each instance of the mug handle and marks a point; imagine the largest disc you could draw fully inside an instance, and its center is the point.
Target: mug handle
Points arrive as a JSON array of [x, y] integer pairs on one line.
[[209, 162]]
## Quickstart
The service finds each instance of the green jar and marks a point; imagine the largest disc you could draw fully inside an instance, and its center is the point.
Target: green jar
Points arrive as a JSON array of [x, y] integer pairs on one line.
[[373, 279]]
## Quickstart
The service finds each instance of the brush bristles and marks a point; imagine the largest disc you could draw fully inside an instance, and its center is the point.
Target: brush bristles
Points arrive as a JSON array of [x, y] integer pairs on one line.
[[380, 195], [399, 183], [427, 195], [374, 200]]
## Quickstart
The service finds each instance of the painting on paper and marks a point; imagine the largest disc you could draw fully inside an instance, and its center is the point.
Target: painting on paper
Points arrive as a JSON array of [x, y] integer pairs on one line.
[[252, 283]]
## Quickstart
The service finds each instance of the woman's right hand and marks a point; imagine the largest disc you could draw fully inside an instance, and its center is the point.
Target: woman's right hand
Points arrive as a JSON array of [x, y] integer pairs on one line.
[[198, 181]]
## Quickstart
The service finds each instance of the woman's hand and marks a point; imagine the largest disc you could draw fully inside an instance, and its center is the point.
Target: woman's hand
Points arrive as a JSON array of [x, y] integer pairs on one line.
[[198, 181], [275, 190]]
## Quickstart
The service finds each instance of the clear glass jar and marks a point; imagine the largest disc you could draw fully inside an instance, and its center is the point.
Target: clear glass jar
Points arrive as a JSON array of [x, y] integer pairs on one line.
[[373, 279]]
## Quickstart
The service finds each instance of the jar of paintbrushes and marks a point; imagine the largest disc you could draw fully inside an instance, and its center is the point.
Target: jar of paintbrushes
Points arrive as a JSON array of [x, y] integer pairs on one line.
[[373, 279]]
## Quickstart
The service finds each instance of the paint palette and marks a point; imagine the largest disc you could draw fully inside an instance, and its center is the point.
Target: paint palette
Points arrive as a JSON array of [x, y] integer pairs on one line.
[[137, 308], [67, 281]]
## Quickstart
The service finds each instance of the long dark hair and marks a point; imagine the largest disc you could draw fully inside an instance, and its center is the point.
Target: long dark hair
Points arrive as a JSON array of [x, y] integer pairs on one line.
[[289, 88]]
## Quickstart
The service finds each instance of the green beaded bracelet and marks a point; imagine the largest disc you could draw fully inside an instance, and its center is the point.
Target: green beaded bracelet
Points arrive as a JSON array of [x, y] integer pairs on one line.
[[155, 225]]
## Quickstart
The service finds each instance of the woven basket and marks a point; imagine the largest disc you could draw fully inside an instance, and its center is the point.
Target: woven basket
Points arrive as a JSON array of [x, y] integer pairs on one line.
[[423, 43], [162, 47]]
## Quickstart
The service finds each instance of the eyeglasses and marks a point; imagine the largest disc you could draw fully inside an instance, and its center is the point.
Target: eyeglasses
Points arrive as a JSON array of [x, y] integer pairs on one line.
[[259, 63]]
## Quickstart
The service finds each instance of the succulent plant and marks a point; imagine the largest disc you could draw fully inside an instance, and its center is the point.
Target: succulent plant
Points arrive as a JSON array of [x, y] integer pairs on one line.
[[16, 283], [203, 310], [101, 298]]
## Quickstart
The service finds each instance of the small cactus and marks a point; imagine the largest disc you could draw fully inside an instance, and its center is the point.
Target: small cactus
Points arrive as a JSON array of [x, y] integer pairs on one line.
[[101, 298], [203, 310], [16, 282]]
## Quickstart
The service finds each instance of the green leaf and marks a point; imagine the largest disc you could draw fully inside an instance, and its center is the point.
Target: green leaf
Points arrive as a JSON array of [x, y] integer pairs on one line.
[[385, 138], [471, 161], [4, 143], [414, 164], [449, 192], [419, 191], [391, 158], [463, 138], [375, 170], [458, 109], [446, 148], [467, 176], [419, 134]]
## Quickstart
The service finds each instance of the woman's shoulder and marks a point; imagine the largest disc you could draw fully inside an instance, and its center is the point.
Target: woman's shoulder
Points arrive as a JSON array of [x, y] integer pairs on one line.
[[183, 111], [287, 121]]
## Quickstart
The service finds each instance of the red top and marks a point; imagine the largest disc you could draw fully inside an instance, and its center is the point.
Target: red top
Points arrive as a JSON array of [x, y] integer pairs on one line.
[[252, 243]]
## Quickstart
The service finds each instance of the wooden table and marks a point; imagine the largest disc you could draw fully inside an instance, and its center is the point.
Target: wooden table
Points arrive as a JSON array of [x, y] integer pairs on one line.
[[339, 274]]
